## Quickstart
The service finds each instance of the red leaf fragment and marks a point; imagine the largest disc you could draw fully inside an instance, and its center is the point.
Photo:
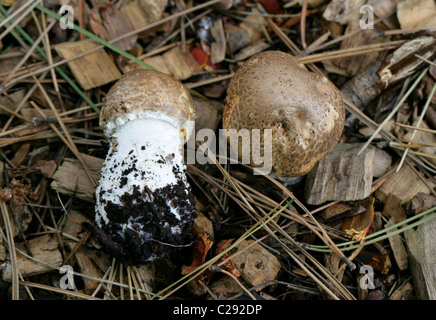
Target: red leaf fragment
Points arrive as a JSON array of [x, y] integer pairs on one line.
[[200, 249]]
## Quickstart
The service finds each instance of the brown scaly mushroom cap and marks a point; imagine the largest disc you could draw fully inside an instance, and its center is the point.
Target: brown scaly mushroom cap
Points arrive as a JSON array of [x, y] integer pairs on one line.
[[144, 93], [273, 90]]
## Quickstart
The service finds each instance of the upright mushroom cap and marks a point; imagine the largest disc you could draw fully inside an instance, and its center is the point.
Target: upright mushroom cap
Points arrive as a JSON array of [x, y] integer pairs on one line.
[[144, 204], [144, 93], [273, 90]]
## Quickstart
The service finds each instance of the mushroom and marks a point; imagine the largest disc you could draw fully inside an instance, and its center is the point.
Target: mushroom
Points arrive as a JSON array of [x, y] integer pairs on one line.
[[144, 204], [305, 111]]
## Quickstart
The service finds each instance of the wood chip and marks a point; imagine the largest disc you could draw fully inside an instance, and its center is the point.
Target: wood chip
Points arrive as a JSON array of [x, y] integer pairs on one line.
[[398, 248], [143, 12], [43, 248], [94, 69], [21, 154], [341, 176], [70, 178], [251, 50], [176, 63], [401, 186], [357, 64], [422, 246], [382, 163]]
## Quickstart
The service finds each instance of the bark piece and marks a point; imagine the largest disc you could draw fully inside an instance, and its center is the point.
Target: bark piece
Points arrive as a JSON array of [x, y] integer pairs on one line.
[[341, 175], [256, 264], [225, 287], [420, 203]]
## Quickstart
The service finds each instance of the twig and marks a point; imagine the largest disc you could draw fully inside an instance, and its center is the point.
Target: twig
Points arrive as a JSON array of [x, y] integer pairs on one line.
[[129, 281], [348, 52], [209, 81], [402, 31], [414, 128], [58, 290]]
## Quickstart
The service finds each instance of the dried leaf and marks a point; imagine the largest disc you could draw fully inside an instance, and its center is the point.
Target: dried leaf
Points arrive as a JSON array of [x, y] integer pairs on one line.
[[96, 24], [47, 168], [359, 225], [110, 23], [200, 249]]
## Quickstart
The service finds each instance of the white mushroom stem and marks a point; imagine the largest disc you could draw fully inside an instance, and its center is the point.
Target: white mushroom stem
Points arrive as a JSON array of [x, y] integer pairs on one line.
[[145, 154]]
